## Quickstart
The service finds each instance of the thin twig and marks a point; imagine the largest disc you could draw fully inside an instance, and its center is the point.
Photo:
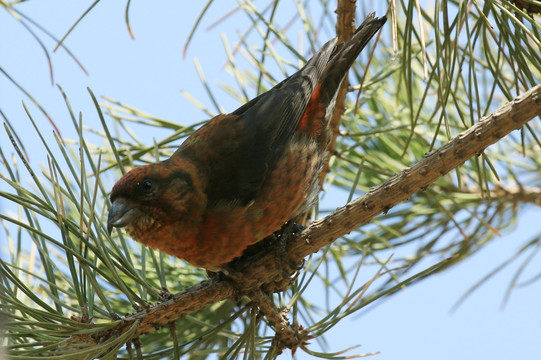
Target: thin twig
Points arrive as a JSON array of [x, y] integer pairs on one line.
[[345, 27]]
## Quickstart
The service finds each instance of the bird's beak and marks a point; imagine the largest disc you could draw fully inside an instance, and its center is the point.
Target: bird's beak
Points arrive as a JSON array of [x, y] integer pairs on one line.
[[121, 213]]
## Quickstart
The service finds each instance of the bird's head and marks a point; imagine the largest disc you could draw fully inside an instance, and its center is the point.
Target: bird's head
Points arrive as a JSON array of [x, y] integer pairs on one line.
[[151, 196]]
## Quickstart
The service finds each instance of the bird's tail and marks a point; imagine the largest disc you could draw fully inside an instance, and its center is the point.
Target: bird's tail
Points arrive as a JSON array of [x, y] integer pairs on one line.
[[345, 54], [317, 113]]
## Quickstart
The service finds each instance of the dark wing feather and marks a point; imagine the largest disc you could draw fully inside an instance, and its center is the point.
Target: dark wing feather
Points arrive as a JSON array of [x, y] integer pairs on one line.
[[269, 120]]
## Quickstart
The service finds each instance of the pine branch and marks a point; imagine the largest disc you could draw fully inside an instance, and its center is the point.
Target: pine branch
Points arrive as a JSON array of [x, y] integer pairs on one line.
[[381, 199], [259, 269]]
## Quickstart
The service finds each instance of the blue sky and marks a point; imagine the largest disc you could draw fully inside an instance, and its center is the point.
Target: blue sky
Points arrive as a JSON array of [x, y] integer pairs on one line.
[[150, 73]]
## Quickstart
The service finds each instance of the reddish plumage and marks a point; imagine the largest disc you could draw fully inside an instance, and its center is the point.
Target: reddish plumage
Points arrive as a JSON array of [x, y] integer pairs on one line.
[[241, 176]]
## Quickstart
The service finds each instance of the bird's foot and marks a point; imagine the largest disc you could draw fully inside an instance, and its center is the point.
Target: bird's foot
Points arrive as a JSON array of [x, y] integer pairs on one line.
[[290, 268]]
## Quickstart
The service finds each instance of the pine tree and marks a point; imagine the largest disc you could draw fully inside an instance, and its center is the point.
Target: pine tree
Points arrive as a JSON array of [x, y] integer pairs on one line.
[[411, 158]]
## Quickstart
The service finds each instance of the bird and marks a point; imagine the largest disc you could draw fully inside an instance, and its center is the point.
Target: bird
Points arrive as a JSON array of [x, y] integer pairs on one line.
[[243, 175]]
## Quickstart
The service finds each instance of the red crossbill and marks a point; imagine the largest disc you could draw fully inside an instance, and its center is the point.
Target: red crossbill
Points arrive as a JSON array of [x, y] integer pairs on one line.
[[241, 176]]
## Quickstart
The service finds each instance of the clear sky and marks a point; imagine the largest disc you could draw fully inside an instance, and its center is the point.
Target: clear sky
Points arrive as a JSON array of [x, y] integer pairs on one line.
[[149, 73]]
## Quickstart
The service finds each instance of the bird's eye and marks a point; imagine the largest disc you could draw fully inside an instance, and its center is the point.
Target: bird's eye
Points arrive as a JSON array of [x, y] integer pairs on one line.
[[146, 185]]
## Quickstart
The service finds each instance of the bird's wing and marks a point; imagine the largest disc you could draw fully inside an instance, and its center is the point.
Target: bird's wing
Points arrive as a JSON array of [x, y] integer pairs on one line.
[[240, 147]]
